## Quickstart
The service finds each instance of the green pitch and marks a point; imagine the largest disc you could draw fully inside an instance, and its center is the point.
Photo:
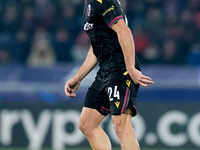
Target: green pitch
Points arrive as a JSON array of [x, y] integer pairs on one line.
[[82, 149]]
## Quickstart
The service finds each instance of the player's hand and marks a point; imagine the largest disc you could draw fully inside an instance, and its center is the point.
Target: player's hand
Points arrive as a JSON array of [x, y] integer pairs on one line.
[[71, 87], [140, 79]]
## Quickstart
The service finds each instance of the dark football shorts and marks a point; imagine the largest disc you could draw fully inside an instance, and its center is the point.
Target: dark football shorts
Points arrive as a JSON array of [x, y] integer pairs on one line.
[[114, 97]]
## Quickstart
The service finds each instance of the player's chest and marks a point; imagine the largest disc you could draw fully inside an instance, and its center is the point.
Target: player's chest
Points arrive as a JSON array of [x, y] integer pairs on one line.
[[91, 19]]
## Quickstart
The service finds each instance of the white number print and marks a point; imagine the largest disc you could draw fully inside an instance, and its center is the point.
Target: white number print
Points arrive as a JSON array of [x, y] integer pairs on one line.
[[116, 93]]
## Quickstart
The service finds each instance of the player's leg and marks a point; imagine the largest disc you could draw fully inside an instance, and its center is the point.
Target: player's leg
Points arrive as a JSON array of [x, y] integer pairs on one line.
[[124, 131], [122, 106], [90, 125]]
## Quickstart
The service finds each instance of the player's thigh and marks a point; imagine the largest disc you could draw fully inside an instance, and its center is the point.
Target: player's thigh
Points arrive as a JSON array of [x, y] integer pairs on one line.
[[122, 120], [90, 118], [119, 96], [97, 100], [122, 95]]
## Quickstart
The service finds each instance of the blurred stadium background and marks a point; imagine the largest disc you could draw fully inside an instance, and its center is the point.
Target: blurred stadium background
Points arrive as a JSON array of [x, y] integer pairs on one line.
[[42, 44]]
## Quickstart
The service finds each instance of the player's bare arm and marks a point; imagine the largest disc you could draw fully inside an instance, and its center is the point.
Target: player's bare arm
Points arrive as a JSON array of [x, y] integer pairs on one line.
[[72, 85], [127, 44]]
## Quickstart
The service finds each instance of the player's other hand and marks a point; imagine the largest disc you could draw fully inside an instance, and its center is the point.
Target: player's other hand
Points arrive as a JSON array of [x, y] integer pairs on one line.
[[71, 87], [139, 78]]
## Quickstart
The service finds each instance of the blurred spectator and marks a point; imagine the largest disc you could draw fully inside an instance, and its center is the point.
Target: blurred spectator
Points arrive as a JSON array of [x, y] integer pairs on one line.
[[155, 24], [186, 18], [152, 53], [9, 20], [22, 46], [141, 40], [197, 20], [5, 57], [45, 13], [171, 9], [80, 48], [169, 54], [42, 54], [194, 5], [28, 19], [62, 44], [68, 19]]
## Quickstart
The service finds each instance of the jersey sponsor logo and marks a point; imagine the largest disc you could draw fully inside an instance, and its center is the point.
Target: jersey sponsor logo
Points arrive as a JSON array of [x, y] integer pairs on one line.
[[88, 26], [100, 1], [128, 82], [108, 10], [117, 104], [89, 10]]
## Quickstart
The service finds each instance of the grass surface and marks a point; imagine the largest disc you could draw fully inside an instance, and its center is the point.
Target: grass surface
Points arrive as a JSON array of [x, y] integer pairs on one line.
[[83, 149]]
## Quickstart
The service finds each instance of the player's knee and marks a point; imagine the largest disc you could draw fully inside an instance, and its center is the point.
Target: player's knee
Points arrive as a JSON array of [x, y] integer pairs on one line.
[[118, 128], [84, 127], [121, 129]]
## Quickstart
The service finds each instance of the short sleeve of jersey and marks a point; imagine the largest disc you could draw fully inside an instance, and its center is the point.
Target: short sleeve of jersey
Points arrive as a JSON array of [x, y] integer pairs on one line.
[[110, 11]]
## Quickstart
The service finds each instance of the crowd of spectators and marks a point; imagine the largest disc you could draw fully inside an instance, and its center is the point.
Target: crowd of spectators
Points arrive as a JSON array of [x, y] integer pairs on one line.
[[46, 32]]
